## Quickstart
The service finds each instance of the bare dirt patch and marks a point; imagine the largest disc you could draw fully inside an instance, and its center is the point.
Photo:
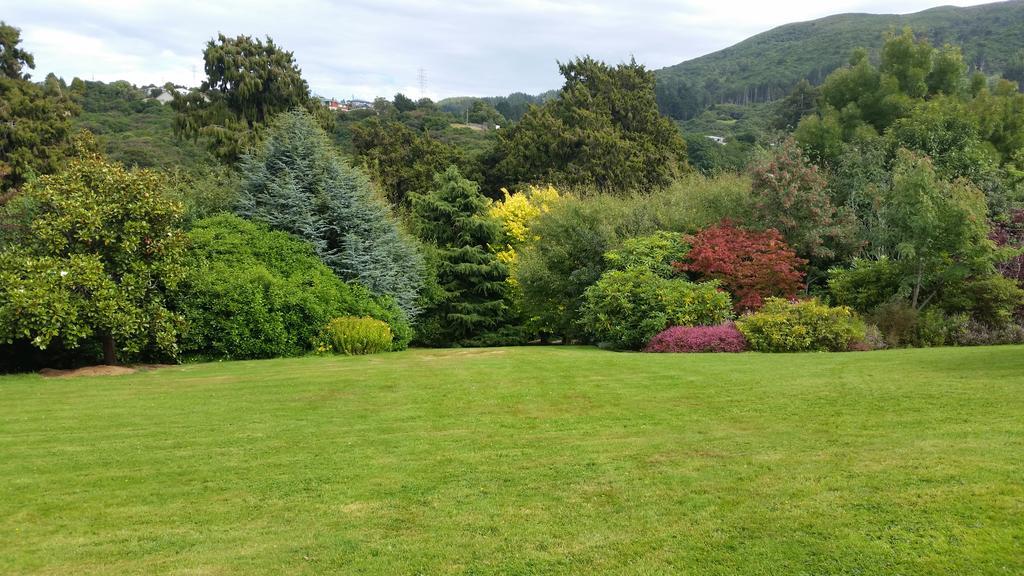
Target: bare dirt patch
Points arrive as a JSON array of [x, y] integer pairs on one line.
[[98, 371]]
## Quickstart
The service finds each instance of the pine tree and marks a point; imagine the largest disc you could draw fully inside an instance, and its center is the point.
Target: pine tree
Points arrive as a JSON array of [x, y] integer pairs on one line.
[[297, 183], [471, 281]]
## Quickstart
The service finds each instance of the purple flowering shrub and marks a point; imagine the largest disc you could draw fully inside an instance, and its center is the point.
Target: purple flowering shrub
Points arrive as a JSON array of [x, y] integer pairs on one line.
[[721, 338]]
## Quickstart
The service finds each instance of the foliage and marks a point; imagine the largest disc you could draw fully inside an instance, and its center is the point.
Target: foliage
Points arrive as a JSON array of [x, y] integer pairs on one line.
[[721, 338], [471, 299], [789, 195], [352, 335], [936, 229], [750, 265], [805, 326], [516, 215], [100, 251], [655, 252], [603, 131], [767, 66], [256, 293], [248, 82], [400, 160], [626, 308], [975, 333], [35, 125], [867, 284], [295, 182]]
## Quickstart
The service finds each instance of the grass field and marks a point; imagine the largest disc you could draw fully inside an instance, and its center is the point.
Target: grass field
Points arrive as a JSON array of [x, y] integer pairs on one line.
[[522, 461]]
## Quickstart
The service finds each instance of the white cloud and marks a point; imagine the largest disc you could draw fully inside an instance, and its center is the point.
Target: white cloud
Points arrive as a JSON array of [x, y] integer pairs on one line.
[[376, 47]]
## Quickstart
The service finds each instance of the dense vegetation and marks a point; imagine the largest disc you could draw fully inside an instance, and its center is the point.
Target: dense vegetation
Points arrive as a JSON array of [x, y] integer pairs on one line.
[[767, 66], [888, 210]]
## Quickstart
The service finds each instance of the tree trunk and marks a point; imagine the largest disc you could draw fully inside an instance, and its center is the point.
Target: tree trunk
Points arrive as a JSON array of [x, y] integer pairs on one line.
[[109, 352], [917, 285]]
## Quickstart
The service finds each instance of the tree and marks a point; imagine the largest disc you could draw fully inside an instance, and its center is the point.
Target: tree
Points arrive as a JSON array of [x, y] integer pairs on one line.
[[35, 123], [403, 103], [248, 82], [790, 195], [402, 162], [751, 265], [102, 251], [802, 101], [471, 299], [604, 131], [935, 228], [297, 183]]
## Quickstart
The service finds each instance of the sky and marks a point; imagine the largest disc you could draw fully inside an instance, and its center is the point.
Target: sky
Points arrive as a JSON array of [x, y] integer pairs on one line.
[[368, 48]]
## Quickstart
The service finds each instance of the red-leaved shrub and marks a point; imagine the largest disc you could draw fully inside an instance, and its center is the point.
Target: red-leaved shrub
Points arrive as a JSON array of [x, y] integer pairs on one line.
[[751, 265], [720, 338]]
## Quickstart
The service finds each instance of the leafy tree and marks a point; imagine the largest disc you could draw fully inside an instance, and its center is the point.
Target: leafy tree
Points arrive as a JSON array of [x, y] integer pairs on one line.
[[101, 252], [401, 161], [296, 182], [248, 82], [802, 101], [471, 300], [790, 196], [603, 131], [655, 252], [403, 103], [35, 122], [751, 265], [481, 112], [935, 228]]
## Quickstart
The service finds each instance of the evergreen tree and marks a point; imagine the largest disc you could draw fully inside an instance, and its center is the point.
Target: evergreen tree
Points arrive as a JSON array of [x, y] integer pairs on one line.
[[297, 183], [35, 122], [471, 281]]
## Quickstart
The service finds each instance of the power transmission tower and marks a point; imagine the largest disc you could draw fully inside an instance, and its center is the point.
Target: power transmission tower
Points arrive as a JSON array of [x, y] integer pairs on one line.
[[421, 77]]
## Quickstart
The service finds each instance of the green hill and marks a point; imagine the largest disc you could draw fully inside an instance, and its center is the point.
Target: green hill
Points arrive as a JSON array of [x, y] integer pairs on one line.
[[765, 67]]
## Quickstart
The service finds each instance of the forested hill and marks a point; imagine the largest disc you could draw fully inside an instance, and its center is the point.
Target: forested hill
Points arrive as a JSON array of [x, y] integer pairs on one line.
[[766, 66]]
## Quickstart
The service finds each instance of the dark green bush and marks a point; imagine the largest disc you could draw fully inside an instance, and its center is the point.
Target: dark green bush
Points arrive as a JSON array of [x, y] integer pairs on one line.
[[254, 293], [626, 308], [806, 326], [352, 335]]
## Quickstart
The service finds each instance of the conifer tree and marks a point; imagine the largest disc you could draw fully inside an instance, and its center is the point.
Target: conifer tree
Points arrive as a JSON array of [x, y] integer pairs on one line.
[[297, 183], [471, 281]]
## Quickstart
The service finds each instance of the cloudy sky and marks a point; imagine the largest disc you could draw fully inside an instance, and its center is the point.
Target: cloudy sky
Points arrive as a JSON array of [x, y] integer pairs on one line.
[[370, 48]]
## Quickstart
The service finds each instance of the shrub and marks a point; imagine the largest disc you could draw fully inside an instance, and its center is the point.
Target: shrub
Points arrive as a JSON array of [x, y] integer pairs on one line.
[[656, 253], [750, 265], [721, 338], [866, 284], [897, 320], [351, 335], [806, 326], [625, 308], [974, 333], [255, 293]]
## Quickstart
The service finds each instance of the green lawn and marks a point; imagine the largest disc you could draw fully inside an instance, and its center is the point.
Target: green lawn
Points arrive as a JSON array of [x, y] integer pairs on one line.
[[522, 461]]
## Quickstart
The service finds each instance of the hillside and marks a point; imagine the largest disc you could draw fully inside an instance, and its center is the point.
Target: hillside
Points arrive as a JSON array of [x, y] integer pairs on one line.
[[766, 66]]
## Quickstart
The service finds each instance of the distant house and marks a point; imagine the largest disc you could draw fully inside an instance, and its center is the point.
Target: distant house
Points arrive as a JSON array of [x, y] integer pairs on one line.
[[717, 139], [165, 97]]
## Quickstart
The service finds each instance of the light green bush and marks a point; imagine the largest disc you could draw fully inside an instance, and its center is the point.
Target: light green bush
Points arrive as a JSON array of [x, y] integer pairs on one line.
[[807, 326], [625, 308], [351, 335]]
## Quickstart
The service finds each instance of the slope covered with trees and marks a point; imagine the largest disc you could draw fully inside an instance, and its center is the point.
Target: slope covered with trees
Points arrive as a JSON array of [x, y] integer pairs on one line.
[[767, 66]]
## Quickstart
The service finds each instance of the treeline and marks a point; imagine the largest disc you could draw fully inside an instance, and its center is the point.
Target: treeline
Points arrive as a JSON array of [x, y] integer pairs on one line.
[[891, 216]]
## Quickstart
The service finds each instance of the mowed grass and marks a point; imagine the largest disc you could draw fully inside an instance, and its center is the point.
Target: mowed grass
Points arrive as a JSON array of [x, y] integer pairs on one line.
[[522, 461]]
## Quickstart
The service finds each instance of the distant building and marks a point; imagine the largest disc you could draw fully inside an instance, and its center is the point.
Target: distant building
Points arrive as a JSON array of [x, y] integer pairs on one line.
[[717, 139]]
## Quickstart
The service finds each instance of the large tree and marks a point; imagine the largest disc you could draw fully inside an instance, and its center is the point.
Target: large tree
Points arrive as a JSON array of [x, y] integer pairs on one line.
[[35, 122], [296, 182], [248, 82], [100, 250], [603, 131], [470, 299]]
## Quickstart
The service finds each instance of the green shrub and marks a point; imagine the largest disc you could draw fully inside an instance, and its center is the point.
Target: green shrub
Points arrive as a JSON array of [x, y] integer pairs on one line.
[[626, 308], [897, 320], [867, 284], [655, 252], [255, 293], [806, 326], [351, 335]]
